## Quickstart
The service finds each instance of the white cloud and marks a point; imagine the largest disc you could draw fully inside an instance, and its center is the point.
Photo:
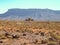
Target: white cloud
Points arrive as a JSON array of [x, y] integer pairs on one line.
[[3, 11]]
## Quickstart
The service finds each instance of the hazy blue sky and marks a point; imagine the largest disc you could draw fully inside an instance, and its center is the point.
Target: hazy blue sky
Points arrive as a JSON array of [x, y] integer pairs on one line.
[[50, 4]]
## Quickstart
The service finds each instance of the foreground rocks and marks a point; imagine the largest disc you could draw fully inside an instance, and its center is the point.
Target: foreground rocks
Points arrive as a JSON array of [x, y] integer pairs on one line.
[[27, 38]]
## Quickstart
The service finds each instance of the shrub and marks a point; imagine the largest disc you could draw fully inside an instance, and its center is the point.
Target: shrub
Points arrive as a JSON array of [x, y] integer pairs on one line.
[[35, 41], [8, 35], [43, 42], [24, 34], [29, 19], [36, 33], [1, 41], [50, 39], [17, 30], [24, 44], [51, 44], [42, 33]]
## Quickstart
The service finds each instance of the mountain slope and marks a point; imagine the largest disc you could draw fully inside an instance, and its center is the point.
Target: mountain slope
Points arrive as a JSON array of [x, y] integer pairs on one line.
[[37, 14]]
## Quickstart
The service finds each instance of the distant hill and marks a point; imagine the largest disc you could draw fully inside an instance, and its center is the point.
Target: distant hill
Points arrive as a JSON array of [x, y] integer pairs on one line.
[[37, 14]]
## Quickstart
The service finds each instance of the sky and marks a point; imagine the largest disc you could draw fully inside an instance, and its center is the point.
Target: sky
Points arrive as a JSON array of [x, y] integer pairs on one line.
[[26, 4]]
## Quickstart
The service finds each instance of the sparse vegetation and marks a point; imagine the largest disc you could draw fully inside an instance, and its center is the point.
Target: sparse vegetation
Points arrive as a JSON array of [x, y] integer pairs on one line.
[[43, 42], [29, 32], [1, 41], [29, 19], [24, 34]]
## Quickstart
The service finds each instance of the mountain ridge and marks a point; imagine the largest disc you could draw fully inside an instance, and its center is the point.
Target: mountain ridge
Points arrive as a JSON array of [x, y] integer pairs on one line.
[[37, 14]]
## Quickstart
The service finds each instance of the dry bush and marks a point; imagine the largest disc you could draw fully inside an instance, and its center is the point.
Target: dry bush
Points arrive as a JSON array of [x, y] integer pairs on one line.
[[29, 19]]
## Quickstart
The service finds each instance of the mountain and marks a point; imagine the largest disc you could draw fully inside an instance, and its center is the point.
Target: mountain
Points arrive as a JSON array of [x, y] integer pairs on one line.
[[37, 14]]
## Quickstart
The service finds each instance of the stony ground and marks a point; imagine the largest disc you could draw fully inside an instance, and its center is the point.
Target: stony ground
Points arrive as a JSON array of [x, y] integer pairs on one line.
[[29, 33]]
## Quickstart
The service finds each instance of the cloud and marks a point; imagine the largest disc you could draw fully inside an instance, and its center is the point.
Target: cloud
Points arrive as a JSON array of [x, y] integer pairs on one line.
[[3, 11]]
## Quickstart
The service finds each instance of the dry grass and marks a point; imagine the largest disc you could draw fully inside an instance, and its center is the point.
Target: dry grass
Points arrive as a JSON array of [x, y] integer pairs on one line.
[[29, 32]]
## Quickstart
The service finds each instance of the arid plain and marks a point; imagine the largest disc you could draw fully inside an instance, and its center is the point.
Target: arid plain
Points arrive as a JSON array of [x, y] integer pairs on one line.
[[29, 33]]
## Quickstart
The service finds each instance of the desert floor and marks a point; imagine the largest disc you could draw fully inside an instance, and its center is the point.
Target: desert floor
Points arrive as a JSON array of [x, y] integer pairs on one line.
[[29, 33]]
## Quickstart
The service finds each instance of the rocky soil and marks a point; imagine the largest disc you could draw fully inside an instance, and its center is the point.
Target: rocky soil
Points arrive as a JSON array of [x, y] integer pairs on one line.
[[27, 36]]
